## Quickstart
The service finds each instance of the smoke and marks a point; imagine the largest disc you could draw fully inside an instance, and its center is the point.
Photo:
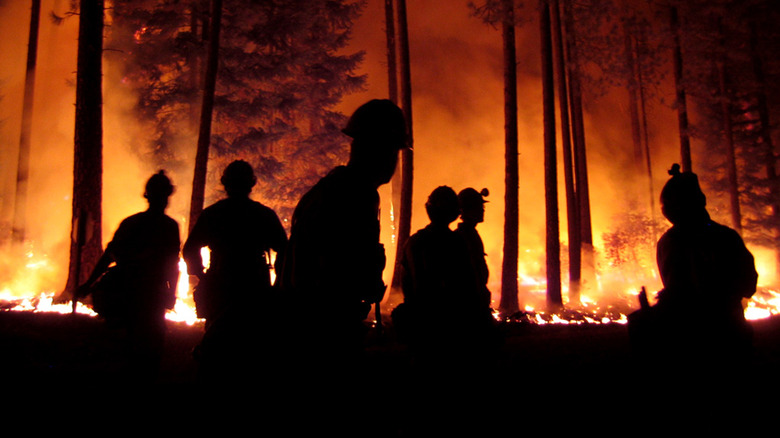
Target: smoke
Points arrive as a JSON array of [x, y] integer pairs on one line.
[[40, 264], [458, 121], [457, 90]]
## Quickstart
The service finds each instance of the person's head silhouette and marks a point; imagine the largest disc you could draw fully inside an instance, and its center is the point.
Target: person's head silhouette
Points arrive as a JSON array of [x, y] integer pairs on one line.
[[158, 189], [682, 200], [378, 131], [472, 205], [442, 206], [238, 179]]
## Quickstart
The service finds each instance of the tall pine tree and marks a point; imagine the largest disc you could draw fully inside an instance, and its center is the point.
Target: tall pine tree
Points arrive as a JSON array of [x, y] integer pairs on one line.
[[282, 71]]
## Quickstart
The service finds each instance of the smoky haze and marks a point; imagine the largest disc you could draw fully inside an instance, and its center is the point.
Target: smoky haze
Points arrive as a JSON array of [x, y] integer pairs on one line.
[[457, 89]]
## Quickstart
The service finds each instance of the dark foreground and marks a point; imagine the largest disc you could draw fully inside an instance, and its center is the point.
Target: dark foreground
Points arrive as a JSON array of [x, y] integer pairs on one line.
[[543, 367]]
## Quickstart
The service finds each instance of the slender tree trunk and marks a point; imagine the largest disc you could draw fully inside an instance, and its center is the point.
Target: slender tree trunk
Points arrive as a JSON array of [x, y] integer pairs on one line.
[[392, 55], [633, 98], [572, 203], [770, 158], [682, 107], [395, 183], [407, 156], [23, 166], [728, 137], [645, 135], [553, 245], [194, 61], [86, 244], [509, 282], [204, 134], [580, 156]]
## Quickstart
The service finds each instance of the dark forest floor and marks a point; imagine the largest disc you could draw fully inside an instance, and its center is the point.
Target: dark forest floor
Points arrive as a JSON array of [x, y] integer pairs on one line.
[[561, 367]]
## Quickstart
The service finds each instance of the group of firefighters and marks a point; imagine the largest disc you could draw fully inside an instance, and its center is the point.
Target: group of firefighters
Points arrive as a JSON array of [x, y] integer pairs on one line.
[[330, 268]]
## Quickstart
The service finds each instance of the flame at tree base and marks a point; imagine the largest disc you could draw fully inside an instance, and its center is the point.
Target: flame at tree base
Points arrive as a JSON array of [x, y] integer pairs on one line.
[[20, 295]]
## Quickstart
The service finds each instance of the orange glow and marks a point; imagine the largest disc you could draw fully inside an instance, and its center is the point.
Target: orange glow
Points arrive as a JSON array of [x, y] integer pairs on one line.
[[459, 141]]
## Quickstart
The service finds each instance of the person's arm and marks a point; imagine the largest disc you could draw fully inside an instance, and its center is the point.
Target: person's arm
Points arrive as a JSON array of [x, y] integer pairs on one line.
[[172, 266], [191, 250], [278, 242]]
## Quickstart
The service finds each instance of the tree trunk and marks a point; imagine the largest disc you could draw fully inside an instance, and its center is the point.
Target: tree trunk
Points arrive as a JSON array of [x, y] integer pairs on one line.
[[728, 138], [580, 156], [646, 137], [682, 107], [509, 282], [392, 65], [86, 243], [395, 183], [195, 63], [23, 166], [407, 156], [572, 203], [770, 159], [554, 298], [204, 134], [633, 98]]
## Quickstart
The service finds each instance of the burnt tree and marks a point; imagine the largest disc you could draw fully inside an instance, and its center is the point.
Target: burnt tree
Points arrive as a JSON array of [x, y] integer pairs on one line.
[[578, 140], [23, 165], [392, 93], [553, 245], [728, 133], [86, 244], [509, 282], [207, 107], [572, 201], [680, 103], [407, 155]]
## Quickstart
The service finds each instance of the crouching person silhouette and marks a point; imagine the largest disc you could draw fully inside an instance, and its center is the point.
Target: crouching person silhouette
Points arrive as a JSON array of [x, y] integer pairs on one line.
[[698, 322], [137, 290]]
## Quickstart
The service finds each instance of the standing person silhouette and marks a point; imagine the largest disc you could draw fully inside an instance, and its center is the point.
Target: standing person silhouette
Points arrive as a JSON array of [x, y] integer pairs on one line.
[[235, 294], [334, 263], [440, 282], [472, 213], [706, 271], [145, 249]]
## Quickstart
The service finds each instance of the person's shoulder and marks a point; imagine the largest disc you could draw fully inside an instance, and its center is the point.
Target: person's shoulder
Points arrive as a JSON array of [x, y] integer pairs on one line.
[[134, 219], [725, 233], [720, 228], [171, 222], [262, 210]]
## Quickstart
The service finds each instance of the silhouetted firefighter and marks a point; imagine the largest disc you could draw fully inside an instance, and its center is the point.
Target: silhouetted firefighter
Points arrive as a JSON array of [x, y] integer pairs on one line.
[[235, 293], [444, 316], [706, 270], [472, 212], [333, 269], [136, 291]]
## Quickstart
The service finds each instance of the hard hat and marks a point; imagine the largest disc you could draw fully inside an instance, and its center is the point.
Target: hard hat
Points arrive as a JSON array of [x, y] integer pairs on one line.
[[682, 189], [470, 197], [158, 185], [238, 175], [378, 119], [442, 204]]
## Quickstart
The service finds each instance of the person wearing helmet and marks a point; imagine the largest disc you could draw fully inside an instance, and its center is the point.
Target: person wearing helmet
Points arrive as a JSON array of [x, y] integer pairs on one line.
[[136, 292], [334, 263], [472, 212], [235, 294], [706, 271], [438, 281]]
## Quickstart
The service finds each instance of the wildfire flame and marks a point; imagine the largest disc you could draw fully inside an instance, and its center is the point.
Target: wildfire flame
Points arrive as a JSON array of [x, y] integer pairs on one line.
[[22, 293]]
